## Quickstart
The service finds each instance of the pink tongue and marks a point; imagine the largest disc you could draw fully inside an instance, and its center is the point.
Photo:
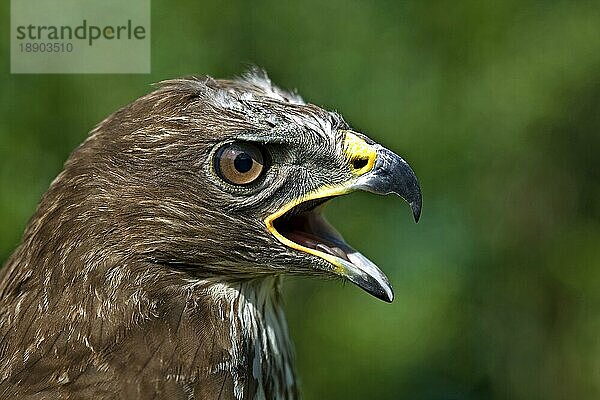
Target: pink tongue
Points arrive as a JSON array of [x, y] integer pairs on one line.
[[302, 238], [307, 240]]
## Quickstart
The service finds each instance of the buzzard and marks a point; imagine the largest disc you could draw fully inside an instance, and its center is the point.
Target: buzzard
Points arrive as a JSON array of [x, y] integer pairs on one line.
[[151, 268]]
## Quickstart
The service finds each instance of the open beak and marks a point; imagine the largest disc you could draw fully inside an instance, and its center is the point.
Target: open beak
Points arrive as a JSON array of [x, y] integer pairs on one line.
[[300, 224]]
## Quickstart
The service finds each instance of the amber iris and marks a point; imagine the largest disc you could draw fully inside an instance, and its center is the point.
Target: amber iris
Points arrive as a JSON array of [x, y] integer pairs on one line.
[[240, 163]]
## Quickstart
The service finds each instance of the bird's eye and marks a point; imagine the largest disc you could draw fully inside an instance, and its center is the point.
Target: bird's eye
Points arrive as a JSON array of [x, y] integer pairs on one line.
[[240, 163]]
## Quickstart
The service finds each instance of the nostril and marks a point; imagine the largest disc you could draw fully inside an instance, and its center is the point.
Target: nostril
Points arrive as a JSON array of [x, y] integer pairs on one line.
[[359, 163]]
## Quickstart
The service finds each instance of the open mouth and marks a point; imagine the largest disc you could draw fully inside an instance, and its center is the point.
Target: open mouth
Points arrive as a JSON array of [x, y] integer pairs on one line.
[[304, 228], [299, 224], [305, 225]]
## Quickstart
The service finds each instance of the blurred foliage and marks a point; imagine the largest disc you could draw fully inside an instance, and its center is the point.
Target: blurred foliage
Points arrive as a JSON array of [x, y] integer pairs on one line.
[[496, 104]]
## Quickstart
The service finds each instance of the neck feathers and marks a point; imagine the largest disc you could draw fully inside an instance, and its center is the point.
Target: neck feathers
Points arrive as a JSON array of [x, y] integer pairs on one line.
[[209, 338], [261, 357]]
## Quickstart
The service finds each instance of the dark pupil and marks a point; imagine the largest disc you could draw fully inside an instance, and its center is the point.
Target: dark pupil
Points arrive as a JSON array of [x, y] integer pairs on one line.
[[243, 162]]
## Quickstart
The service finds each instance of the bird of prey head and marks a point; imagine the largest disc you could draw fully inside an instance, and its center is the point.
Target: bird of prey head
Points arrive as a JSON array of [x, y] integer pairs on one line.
[[202, 180], [230, 177]]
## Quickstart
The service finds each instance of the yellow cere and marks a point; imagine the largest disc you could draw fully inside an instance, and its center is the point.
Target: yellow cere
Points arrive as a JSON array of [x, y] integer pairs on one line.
[[357, 149]]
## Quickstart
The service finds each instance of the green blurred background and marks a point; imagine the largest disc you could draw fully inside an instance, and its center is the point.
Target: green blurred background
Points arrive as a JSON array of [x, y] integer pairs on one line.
[[496, 104]]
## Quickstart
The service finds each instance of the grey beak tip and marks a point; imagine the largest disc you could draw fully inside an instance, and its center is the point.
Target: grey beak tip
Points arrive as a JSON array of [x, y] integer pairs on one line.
[[389, 298], [416, 209], [370, 279], [383, 295], [392, 174]]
